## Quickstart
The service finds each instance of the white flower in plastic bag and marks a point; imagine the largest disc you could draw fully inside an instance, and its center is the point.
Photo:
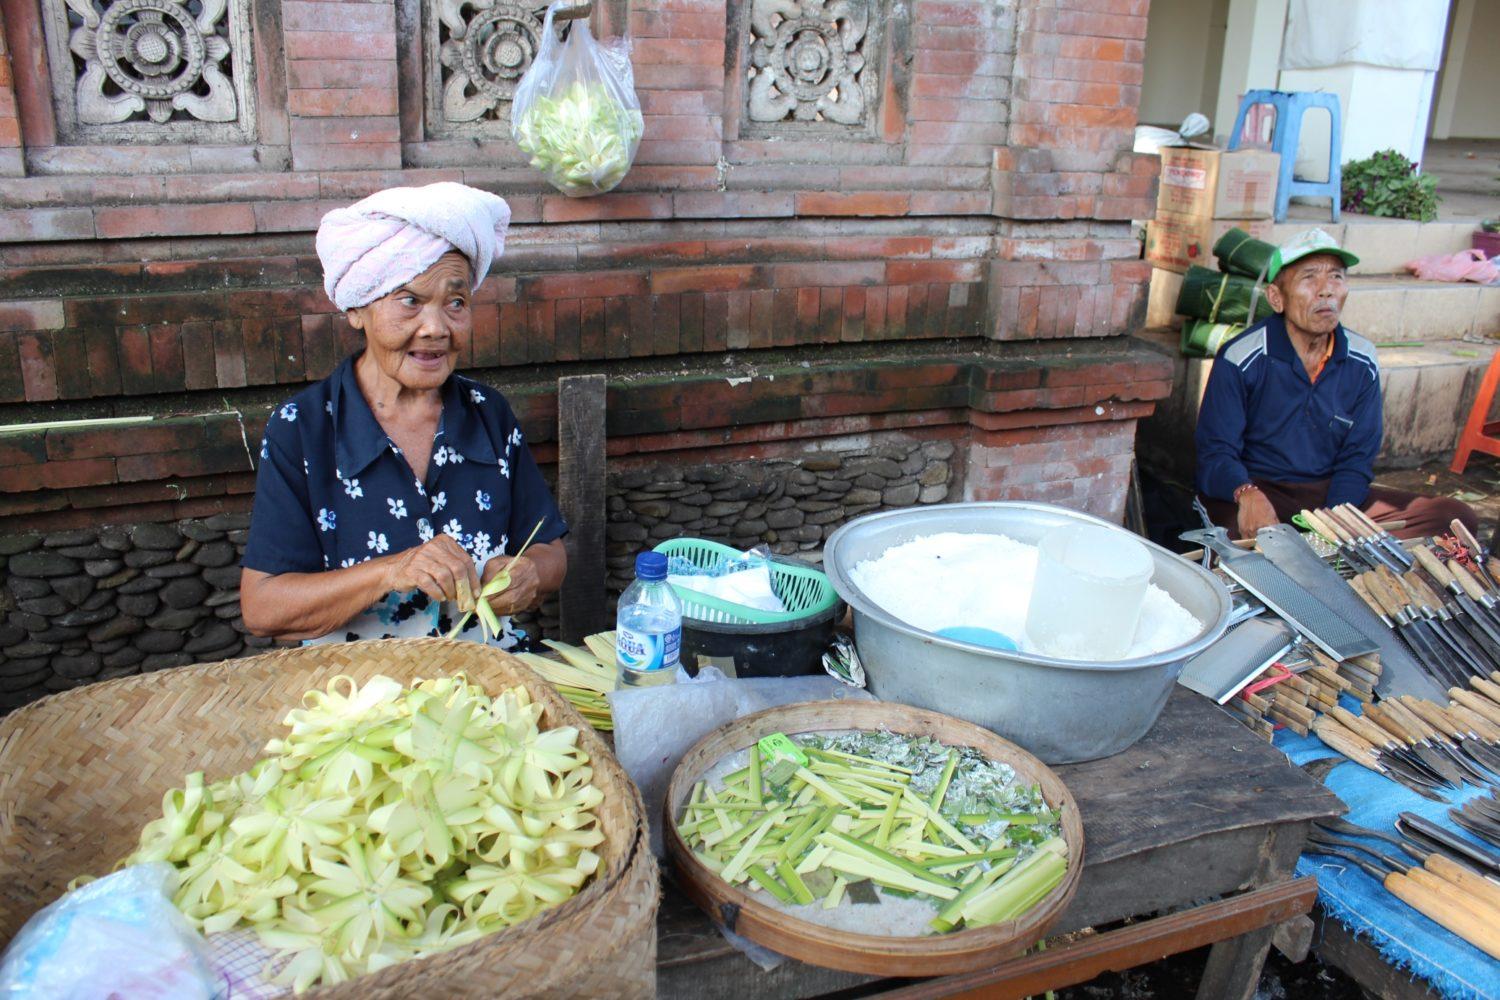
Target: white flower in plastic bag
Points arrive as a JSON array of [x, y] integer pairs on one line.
[[575, 111]]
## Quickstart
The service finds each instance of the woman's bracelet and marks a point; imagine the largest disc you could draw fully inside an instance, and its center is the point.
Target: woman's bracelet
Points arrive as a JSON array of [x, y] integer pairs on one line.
[[1241, 490]]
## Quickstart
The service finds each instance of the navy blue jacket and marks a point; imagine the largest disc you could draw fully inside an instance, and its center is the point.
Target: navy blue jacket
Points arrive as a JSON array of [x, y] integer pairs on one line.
[[1262, 418]]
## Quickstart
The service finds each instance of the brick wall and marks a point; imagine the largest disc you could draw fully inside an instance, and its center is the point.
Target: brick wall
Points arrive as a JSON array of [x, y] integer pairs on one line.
[[959, 268]]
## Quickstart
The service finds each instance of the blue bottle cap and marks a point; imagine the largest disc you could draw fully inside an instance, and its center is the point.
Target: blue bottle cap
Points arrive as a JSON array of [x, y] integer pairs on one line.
[[651, 566]]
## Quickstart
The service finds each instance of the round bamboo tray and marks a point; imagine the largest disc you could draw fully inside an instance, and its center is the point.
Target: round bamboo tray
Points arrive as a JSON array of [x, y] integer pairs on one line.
[[82, 772], [964, 950]]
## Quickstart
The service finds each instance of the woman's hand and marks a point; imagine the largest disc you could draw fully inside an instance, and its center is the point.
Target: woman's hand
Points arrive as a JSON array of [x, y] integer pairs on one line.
[[441, 569], [525, 590]]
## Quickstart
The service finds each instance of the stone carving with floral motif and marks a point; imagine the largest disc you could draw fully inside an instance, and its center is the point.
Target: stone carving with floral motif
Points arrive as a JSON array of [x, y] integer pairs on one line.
[[810, 62], [483, 50]]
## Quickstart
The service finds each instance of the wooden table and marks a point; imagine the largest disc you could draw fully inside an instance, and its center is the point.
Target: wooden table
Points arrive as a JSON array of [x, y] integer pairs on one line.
[[1199, 810]]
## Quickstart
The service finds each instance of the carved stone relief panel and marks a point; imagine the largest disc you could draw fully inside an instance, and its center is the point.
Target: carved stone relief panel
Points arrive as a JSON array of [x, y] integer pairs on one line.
[[475, 53], [150, 70], [812, 65]]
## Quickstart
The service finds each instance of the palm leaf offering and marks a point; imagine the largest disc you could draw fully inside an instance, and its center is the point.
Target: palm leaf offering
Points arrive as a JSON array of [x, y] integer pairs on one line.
[[389, 823], [489, 622]]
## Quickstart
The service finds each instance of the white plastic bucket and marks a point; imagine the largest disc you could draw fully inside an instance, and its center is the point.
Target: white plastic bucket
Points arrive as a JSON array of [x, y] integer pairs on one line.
[[1086, 600]]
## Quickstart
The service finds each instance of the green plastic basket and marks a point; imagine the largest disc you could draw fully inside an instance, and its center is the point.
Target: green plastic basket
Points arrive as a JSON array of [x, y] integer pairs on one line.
[[804, 590]]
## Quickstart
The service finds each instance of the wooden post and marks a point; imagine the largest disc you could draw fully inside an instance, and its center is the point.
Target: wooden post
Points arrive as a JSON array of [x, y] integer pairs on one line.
[[580, 494]]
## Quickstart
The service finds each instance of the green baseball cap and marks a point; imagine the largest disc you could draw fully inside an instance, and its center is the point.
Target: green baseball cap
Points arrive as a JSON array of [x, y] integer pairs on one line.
[[1305, 244]]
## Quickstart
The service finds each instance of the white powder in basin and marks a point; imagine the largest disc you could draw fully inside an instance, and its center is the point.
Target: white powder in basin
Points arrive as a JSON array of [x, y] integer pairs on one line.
[[952, 579]]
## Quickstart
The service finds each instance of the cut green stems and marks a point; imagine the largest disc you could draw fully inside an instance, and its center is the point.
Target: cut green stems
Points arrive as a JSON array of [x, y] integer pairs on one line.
[[799, 890], [941, 790], [951, 915], [849, 845], [755, 788], [768, 882]]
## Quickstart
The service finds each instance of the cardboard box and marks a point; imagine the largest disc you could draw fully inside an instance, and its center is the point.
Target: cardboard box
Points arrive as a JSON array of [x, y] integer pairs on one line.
[[1161, 299], [1175, 242], [1215, 184]]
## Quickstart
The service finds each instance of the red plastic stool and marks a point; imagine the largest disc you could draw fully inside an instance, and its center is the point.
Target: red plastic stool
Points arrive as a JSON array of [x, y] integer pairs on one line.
[[1479, 435]]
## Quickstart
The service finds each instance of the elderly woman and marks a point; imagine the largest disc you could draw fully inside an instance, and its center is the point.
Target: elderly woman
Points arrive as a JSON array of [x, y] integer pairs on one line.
[[395, 488]]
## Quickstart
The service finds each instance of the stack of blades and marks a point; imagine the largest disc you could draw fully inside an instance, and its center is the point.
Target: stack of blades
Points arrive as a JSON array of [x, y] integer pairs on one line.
[[1284, 546]]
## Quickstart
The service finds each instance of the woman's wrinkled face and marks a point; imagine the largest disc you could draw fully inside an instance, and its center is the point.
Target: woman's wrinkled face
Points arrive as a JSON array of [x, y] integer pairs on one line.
[[413, 335]]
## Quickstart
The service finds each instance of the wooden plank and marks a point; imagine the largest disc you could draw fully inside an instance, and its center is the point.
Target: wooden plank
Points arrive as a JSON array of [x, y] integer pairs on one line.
[[1079, 961], [1293, 938], [1234, 965], [1359, 960], [1195, 773], [584, 607]]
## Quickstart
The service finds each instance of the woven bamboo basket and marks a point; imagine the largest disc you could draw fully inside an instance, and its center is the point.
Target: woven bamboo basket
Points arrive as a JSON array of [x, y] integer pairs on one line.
[[82, 772]]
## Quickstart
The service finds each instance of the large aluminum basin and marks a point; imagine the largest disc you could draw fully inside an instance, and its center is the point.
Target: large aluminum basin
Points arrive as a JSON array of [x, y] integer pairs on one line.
[[1060, 710]]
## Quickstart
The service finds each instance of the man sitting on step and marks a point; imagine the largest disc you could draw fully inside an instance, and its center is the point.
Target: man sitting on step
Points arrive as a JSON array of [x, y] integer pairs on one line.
[[1291, 417]]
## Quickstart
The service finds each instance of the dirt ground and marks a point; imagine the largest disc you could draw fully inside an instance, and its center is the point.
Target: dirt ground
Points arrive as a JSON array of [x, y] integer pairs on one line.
[[1176, 978]]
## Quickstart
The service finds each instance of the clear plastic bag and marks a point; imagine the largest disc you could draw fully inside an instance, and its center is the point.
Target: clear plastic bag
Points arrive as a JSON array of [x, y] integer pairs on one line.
[[575, 111], [119, 938]]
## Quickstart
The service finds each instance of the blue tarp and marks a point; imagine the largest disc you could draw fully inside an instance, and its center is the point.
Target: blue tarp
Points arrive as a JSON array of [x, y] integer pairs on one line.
[[1405, 938]]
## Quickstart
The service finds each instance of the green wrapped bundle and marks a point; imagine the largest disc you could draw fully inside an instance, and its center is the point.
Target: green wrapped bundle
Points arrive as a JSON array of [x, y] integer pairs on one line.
[[1202, 339], [1241, 253], [1220, 298]]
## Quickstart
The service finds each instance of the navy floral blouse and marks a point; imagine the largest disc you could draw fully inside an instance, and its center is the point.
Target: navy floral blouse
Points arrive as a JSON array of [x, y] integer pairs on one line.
[[333, 490]]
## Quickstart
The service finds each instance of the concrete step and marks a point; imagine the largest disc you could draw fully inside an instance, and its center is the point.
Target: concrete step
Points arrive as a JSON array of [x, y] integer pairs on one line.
[[1386, 308], [1426, 395], [1382, 245], [1392, 308]]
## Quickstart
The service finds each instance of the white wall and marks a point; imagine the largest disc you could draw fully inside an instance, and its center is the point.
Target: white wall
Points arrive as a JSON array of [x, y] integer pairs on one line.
[[1382, 108], [1184, 47], [1468, 105]]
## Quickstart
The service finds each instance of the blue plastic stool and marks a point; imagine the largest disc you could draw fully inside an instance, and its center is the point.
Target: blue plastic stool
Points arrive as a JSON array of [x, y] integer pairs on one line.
[[1290, 106]]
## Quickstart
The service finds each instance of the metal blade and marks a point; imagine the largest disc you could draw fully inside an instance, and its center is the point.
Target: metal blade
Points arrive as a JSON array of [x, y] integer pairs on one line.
[[1437, 663], [1486, 757], [1403, 673], [1397, 550], [1422, 774], [1474, 774], [1489, 807], [1455, 642], [1412, 785], [1489, 832], [1410, 822], [1411, 764], [1483, 615], [1480, 637], [1440, 764], [1481, 649]]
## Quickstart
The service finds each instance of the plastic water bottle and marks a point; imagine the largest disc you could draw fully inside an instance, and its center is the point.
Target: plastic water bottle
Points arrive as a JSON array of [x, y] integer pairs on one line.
[[648, 630]]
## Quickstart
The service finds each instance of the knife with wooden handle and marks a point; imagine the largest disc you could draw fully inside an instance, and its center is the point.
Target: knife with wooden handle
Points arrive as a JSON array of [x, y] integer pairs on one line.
[[1489, 689], [1480, 706], [1441, 908]]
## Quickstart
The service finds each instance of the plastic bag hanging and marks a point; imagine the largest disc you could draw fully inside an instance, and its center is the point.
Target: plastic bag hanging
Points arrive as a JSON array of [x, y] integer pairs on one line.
[[575, 111]]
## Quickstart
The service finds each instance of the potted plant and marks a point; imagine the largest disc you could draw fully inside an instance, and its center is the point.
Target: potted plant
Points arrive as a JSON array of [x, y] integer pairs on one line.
[[1487, 237]]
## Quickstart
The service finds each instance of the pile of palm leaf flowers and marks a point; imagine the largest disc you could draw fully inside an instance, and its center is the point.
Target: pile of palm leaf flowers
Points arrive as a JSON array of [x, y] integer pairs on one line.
[[387, 824]]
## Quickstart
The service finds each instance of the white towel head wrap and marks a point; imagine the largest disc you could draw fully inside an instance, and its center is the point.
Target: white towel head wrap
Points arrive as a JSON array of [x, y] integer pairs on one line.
[[376, 245]]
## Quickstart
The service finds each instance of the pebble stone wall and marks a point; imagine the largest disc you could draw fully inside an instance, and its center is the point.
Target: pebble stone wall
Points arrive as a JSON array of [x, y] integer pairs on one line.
[[791, 505], [89, 604]]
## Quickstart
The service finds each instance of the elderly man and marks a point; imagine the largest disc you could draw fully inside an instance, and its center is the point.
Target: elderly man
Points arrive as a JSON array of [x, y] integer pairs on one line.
[[1291, 416]]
